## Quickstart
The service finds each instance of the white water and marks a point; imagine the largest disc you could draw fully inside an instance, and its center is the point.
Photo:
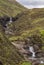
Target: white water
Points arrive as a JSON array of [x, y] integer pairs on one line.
[[31, 49], [10, 20], [41, 62]]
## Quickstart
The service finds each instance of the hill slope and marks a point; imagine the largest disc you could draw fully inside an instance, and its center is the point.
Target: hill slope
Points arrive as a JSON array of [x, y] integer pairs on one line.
[[9, 55], [10, 8], [28, 22]]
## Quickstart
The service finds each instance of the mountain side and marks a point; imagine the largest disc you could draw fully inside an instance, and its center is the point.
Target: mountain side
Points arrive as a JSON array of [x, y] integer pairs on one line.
[[9, 54], [10, 8], [24, 24], [29, 22]]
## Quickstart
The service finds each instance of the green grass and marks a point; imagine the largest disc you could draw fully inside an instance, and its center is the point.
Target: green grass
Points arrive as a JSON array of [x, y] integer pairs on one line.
[[10, 8], [9, 54], [29, 23], [37, 20], [26, 34], [26, 63], [42, 32]]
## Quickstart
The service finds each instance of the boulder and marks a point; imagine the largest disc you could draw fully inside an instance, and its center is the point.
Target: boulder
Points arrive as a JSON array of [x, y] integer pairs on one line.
[[36, 47]]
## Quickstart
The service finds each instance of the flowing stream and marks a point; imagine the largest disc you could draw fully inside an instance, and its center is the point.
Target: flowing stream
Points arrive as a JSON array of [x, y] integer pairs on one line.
[[41, 62], [31, 49], [10, 19]]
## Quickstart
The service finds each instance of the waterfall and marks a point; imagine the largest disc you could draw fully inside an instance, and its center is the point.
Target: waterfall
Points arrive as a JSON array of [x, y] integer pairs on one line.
[[10, 19], [41, 62], [31, 49]]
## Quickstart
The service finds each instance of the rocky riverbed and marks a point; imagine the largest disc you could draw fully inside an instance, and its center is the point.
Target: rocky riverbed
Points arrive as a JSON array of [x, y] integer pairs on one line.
[[31, 51]]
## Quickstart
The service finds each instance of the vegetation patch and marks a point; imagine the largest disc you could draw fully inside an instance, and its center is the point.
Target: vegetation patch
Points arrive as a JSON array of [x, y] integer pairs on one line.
[[26, 63]]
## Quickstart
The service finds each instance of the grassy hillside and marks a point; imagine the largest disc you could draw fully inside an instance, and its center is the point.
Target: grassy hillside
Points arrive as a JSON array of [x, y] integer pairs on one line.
[[9, 55], [10, 8], [30, 21], [27, 22]]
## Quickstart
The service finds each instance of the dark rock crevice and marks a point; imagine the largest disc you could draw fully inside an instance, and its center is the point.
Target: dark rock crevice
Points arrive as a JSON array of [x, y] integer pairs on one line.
[[6, 19], [1, 63]]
